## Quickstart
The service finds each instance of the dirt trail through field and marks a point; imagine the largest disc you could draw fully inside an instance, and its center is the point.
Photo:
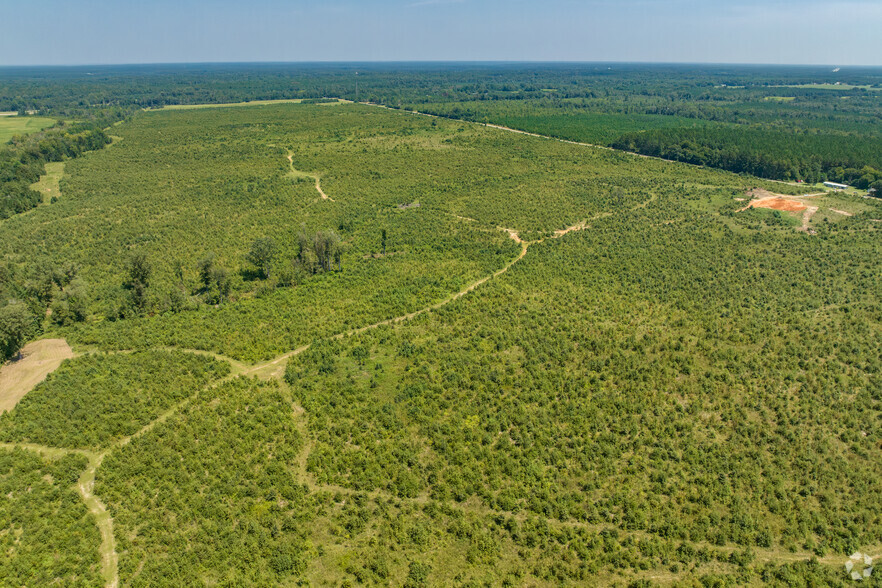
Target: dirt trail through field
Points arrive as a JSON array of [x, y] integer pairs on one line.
[[109, 557], [39, 359], [275, 368], [270, 369], [807, 216], [299, 174], [85, 487]]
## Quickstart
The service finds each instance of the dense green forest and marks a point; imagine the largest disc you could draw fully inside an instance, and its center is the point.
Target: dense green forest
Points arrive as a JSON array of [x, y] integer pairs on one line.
[[807, 157], [335, 344]]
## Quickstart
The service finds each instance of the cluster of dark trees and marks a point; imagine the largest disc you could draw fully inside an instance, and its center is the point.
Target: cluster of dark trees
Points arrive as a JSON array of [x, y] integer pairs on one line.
[[768, 154], [26, 295], [17, 325], [317, 252]]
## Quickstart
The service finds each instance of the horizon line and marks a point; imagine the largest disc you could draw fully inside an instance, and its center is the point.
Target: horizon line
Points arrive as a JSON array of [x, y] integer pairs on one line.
[[439, 62]]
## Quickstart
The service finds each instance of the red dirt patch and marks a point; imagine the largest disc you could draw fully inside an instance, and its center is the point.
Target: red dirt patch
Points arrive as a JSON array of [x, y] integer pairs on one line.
[[778, 203]]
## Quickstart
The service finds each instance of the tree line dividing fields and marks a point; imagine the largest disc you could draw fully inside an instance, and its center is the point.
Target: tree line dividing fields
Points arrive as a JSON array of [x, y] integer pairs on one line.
[[582, 102], [24, 159], [678, 391]]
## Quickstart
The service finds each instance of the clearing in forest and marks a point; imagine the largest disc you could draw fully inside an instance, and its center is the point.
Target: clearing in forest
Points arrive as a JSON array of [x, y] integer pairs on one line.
[[231, 104], [760, 198], [48, 185], [840, 204], [38, 360]]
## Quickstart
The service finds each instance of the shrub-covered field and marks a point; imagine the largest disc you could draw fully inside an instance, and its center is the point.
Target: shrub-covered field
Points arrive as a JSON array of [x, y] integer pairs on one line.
[[91, 401], [676, 392], [202, 183], [47, 536], [212, 496]]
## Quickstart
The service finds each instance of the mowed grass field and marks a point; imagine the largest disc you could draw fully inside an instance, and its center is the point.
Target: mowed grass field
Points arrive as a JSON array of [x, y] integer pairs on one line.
[[22, 125]]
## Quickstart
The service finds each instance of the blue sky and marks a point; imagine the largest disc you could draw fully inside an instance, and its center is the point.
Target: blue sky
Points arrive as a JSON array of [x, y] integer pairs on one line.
[[152, 31]]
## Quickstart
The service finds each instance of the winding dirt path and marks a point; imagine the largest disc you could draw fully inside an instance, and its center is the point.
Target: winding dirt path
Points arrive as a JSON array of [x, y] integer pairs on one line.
[[109, 557], [85, 487], [299, 174], [270, 369], [807, 217]]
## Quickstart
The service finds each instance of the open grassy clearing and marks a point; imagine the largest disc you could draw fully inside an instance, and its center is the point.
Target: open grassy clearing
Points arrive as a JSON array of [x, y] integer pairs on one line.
[[11, 126], [49, 184], [38, 360], [813, 209]]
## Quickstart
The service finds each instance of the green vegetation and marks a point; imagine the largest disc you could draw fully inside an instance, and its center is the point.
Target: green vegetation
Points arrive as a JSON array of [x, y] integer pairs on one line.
[[834, 87], [768, 154], [486, 358], [46, 534], [49, 184], [17, 325], [22, 162], [10, 126], [235, 518], [95, 400]]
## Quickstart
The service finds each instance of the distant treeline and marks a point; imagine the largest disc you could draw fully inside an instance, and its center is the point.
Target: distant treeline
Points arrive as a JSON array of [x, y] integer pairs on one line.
[[855, 160], [777, 122], [72, 90]]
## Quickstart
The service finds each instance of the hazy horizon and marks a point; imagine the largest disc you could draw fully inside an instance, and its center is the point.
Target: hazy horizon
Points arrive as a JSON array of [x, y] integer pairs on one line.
[[440, 62], [740, 32]]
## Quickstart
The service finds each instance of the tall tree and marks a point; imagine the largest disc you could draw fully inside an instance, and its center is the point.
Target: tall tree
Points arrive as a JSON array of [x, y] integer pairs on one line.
[[139, 271], [262, 254], [17, 325], [327, 246]]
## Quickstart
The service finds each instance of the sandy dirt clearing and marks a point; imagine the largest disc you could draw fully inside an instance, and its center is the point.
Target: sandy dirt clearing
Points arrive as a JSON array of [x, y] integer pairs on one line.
[[39, 359]]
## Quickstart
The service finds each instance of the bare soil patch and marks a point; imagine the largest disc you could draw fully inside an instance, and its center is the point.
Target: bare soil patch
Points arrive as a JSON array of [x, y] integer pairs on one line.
[[577, 227], [778, 203], [39, 359]]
